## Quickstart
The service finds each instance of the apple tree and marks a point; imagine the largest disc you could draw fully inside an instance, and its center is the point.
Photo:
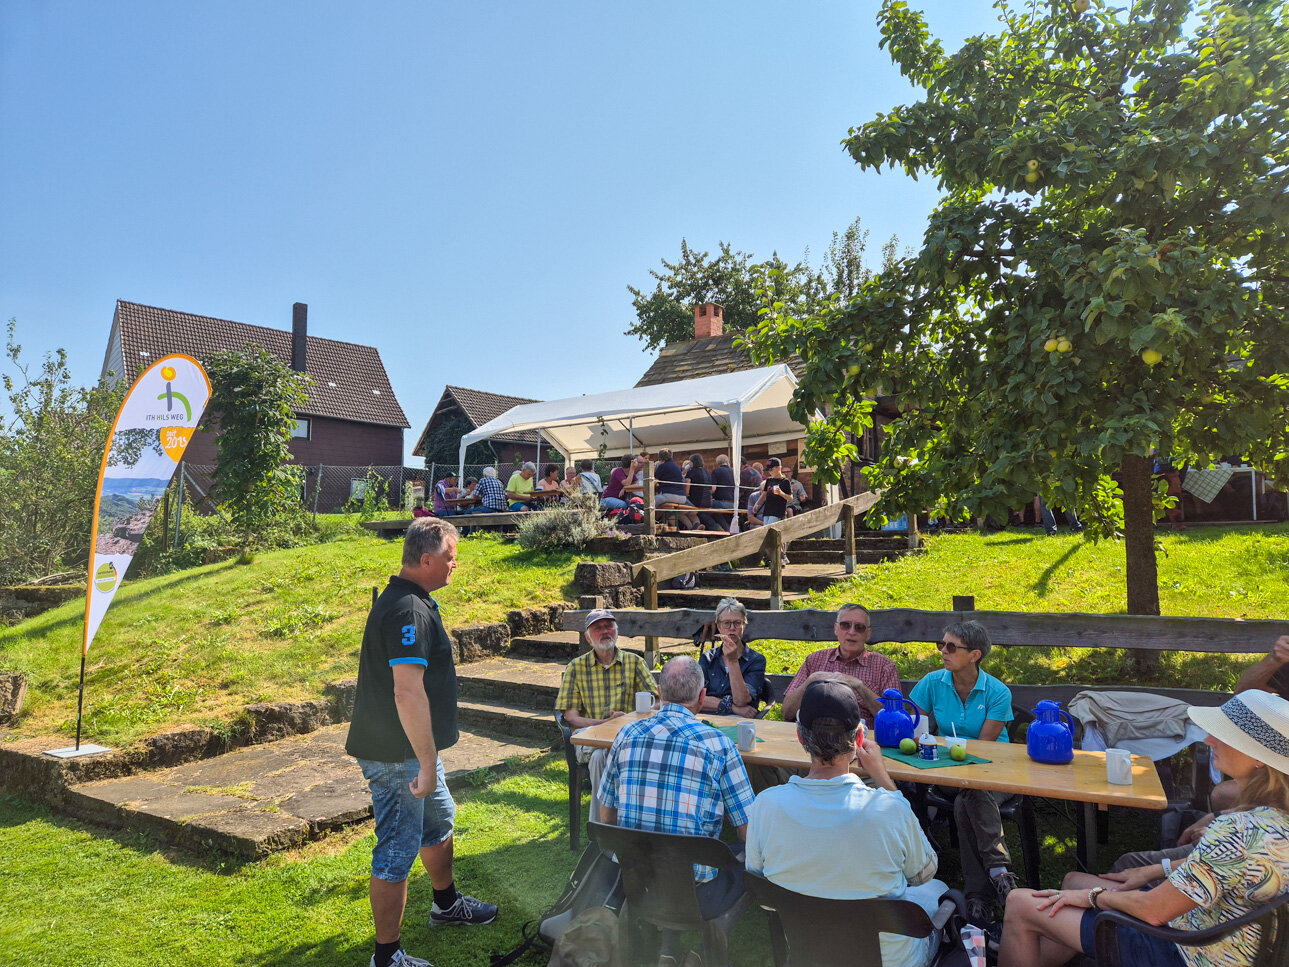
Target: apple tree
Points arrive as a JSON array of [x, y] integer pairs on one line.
[[1106, 272]]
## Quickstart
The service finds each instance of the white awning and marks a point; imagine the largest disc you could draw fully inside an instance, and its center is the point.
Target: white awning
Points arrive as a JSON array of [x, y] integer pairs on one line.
[[725, 412]]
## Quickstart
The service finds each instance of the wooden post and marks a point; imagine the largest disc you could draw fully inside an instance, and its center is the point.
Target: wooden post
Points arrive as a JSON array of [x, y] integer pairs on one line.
[[651, 604], [647, 494], [964, 602], [848, 536], [914, 539], [774, 546]]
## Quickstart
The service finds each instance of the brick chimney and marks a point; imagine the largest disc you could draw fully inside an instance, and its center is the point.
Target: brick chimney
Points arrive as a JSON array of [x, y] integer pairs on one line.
[[709, 320], [299, 337]]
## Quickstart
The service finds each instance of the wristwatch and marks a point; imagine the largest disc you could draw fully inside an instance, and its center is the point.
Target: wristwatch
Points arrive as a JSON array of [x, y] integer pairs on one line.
[[726, 707], [1093, 894]]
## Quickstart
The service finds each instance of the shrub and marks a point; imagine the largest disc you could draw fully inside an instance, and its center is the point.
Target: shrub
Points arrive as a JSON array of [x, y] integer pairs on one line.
[[568, 525]]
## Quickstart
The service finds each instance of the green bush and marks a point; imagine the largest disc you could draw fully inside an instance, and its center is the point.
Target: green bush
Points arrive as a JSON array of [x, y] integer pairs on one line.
[[569, 525]]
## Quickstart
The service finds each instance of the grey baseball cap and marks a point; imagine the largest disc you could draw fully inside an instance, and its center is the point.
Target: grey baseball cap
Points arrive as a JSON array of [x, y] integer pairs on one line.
[[599, 614]]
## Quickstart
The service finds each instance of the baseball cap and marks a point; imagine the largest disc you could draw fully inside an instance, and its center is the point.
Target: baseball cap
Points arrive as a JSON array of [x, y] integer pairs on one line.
[[599, 614], [829, 705]]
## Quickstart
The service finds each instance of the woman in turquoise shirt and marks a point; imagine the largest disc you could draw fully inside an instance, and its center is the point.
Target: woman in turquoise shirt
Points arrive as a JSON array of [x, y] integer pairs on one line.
[[963, 698]]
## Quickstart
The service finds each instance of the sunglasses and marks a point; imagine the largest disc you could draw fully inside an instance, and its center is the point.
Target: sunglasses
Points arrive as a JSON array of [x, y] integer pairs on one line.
[[948, 647], [852, 625]]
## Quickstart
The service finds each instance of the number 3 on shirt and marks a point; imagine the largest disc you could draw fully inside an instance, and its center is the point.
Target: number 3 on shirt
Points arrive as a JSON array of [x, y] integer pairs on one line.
[[409, 634]]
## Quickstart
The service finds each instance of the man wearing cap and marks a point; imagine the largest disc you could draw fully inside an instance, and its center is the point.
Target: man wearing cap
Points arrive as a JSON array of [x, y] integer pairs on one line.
[[671, 773], [827, 834], [444, 491], [601, 685], [850, 663]]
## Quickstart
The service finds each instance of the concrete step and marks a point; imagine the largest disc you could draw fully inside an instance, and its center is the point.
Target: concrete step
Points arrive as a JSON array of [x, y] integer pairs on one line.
[[521, 682], [265, 798], [521, 723], [796, 577], [862, 556], [873, 542], [752, 598], [565, 645]]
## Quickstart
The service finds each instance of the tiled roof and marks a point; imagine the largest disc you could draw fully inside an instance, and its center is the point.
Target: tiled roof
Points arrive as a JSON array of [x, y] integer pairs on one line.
[[695, 358], [349, 380], [479, 407]]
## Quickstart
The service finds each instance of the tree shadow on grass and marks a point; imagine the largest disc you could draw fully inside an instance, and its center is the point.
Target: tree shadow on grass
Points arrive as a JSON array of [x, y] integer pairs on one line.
[[1044, 582]]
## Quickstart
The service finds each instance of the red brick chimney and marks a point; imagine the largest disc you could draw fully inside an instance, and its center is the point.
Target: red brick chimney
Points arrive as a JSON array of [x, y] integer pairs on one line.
[[709, 320]]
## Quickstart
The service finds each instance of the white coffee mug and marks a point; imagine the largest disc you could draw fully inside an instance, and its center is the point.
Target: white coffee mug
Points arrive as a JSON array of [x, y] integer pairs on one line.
[[644, 702], [951, 740], [746, 735], [1118, 766]]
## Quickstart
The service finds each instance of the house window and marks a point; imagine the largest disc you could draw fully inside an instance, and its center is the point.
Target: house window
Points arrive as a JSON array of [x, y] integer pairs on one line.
[[301, 429]]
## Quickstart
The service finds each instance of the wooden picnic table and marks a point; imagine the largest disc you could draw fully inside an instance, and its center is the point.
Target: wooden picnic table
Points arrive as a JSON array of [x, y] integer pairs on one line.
[[1009, 770], [541, 496], [463, 501]]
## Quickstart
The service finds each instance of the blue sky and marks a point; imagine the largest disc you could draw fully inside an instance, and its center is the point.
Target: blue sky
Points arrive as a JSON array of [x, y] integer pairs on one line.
[[468, 187]]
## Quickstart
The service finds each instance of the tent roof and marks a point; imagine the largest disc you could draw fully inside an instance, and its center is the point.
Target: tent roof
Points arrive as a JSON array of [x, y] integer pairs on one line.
[[688, 414]]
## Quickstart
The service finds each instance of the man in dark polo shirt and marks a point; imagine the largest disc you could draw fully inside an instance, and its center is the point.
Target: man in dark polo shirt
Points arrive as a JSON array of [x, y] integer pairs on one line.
[[405, 712]]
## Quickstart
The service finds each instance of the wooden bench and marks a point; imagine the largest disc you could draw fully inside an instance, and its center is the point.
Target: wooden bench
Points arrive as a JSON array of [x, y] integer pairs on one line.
[[387, 528], [501, 518]]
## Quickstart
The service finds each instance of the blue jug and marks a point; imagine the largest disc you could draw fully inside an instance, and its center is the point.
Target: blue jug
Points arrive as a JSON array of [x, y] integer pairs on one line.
[[1051, 735], [893, 723]]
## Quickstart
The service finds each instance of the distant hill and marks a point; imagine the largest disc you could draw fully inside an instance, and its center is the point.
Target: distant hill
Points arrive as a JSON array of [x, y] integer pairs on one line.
[[135, 487], [113, 507]]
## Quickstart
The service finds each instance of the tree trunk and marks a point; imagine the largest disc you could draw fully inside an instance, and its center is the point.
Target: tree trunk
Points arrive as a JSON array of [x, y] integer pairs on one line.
[[1142, 571]]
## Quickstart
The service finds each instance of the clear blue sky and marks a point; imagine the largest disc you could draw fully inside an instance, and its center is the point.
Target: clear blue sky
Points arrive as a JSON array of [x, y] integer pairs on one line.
[[469, 187]]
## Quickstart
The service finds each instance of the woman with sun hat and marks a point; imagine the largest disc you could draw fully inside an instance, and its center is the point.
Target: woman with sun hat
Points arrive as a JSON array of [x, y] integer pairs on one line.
[[1240, 863]]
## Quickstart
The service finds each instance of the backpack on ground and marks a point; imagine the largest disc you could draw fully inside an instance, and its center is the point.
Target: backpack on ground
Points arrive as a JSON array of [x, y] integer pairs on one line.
[[683, 582], [596, 881]]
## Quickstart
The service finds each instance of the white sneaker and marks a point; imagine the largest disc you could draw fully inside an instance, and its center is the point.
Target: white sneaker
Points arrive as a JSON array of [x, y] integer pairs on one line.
[[403, 959]]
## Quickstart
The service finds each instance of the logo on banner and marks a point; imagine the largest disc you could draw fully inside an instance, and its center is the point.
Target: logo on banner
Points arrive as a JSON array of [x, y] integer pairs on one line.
[[106, 576], [174, 440], [170, 395]]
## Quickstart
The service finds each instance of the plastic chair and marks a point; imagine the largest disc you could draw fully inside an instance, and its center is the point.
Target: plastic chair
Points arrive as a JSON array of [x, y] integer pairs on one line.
[[1273, 946], [818, 932], [1016, 809], [658, 874], [576, 772]]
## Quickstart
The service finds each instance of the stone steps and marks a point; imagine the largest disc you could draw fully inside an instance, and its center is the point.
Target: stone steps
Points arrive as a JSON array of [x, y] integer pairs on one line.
[[754, 599], [523, 723], [565, 645], [862, 556], [817, 576]]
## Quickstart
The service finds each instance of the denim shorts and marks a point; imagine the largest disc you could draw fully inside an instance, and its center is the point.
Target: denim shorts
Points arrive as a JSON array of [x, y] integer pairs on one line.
[[1136, 948], [405, 824]]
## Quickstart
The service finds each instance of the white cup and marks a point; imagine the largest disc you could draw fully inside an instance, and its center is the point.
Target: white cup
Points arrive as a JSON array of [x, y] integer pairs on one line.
[[952, 740], [1118, 766], [644, 702], [746, 735]]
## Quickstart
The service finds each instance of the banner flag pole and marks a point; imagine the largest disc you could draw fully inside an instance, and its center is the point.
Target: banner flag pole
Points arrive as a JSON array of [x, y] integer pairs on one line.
[[157, 418]]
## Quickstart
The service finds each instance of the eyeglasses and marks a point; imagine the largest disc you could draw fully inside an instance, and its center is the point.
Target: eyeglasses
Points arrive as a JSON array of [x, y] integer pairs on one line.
[[731, 625], [855, 625], [949, 647]]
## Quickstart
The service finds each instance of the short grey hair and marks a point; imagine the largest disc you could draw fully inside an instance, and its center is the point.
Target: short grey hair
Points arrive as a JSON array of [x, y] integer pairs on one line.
[[973, 635], [722, 460], [490, 471], [426, 535], [827, 744], [730, 604], [529, 466], [852, 606], [681, 680]]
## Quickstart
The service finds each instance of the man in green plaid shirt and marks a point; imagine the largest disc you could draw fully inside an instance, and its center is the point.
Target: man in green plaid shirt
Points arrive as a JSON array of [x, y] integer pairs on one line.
[[599, 686]]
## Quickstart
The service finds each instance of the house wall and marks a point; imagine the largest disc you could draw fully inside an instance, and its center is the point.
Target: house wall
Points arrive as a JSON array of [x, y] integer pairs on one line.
[[339, 443]]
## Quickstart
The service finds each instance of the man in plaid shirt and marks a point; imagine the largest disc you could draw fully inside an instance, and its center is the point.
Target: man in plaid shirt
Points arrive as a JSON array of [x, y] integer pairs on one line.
[[598, 686], [851, 663], [670, 773]]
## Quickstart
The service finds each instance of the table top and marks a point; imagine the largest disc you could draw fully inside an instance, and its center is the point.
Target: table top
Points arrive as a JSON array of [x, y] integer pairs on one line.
[[1009, 770], [462, 501], [545, 494]]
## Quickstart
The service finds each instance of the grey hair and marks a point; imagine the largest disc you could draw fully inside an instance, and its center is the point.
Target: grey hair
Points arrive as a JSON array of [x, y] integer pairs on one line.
[[490, 471], [973, 635], [680, 681], [730, 604], [426, 535], [826, 744], [722, 460], [852, 606], [529, 466]]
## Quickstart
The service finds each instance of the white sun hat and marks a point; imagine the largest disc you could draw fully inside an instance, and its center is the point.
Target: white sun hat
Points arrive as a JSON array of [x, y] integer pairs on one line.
[[1254, 722]]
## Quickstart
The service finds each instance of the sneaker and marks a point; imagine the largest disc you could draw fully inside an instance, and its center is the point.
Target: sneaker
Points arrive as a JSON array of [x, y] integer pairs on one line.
[[403, 959], [980, 911], [1004, 883], [466, 912]]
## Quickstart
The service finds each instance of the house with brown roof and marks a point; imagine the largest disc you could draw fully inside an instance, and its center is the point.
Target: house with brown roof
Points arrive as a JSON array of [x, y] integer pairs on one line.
[[461, 410], [351, 417]]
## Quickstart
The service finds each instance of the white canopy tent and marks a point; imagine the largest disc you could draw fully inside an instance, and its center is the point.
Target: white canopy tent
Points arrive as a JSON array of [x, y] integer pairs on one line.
[[725, 412]]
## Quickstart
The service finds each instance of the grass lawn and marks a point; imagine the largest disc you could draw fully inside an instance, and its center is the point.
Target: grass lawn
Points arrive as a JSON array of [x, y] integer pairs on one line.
[[195, 646], [1219, 572]]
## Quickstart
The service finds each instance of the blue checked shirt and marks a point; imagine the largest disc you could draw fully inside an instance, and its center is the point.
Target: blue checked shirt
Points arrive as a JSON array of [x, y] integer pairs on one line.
[[670, 773], [492, 494]]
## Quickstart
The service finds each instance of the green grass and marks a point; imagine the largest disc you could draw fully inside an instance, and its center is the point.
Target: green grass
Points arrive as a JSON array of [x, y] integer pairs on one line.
[[196, 646], [1229, 572]]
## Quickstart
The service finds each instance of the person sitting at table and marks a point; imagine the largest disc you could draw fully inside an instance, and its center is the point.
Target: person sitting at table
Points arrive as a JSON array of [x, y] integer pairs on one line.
[[492, 495], [798, 503], [1240, 863], [444, 490], [733, 674], [588, 479], [852, 663], [671, 773], [598, 686], [550, 478], [700, 492], [964, 700], [828, 834], [672, 489], [723, 493], [613, 498], [420, 510], [520, 485]]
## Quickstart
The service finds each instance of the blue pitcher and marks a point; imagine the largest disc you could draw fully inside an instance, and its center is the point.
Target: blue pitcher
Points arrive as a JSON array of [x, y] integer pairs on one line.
[[1051, 735], [893, 723]]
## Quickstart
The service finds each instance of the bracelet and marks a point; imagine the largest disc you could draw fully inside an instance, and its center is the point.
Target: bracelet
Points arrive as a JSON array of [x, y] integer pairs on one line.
[[1167, 864], [1093, 894]]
